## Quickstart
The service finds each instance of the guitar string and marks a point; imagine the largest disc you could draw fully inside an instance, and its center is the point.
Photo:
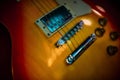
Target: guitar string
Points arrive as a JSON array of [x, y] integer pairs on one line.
[[76, 34], [53, 3], [80, 32], [69, 39], [42, 6], [62, 34], [38, 7], [42, 10], [86, 30], [73, 38], [83, 34], [36, 3], [48, 4], [74, 23]]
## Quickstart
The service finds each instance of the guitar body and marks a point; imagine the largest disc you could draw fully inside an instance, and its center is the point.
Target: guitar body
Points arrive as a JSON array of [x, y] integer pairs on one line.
[[35, 56]]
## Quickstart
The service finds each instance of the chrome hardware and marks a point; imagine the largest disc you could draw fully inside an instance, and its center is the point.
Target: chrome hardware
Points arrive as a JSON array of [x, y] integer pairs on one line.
[[79, 51], [69, 34]]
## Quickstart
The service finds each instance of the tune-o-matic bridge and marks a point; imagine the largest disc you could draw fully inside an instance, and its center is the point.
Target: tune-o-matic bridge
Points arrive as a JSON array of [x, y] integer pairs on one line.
[[69, 34]]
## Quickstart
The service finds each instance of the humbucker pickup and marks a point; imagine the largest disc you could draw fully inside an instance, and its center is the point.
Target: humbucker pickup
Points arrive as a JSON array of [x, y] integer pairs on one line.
[[61, 15], [54, 20]]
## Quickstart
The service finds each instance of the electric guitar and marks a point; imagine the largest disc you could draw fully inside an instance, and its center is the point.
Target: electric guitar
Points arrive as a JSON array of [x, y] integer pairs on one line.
[[61, 40]]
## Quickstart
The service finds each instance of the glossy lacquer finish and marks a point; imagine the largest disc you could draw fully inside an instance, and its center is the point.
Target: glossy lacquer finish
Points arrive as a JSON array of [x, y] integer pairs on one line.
[[35, 56]]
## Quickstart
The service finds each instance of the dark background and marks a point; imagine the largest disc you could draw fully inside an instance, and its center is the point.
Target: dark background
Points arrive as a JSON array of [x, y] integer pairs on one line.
[[112, 8]]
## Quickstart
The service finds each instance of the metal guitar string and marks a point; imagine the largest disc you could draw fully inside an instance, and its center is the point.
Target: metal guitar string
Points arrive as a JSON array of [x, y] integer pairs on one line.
[[76, 33], [73, 38], [70, 40], [83, 32], [42, 6], [66, 43], [43, 11], [38, 6]]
